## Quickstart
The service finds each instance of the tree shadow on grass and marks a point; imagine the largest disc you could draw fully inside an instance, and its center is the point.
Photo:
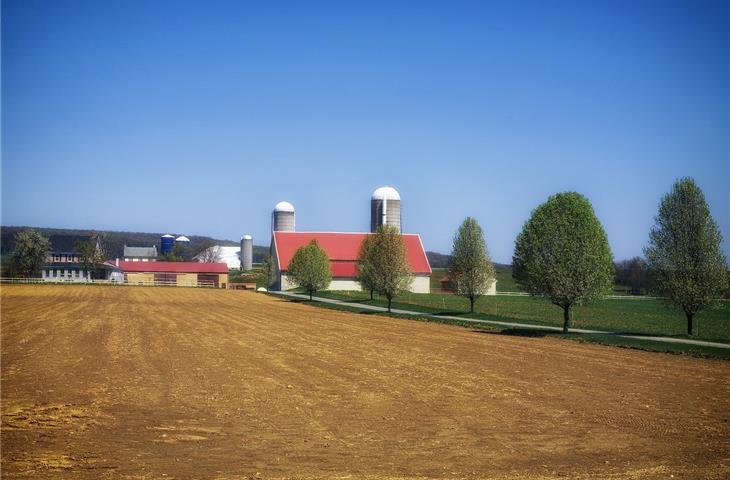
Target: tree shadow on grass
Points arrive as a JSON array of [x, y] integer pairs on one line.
[[452, 313], [520, 332]]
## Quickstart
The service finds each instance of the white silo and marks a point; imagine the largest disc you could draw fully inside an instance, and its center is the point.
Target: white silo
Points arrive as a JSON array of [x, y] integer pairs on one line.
[[385, 208], [246, 253], [282, 218]]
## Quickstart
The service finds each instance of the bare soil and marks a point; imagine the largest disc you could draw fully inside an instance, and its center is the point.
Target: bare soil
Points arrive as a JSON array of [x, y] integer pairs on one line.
[[134, 382]]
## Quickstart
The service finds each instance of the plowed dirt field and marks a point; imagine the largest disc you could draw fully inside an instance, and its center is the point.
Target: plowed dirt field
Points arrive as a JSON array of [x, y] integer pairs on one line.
[[133, 382]]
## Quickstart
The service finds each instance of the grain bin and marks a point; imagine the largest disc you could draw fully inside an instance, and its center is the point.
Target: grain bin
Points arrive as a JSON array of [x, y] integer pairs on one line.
[[246, 253], [166, 243], [385, 208], [282, 218]]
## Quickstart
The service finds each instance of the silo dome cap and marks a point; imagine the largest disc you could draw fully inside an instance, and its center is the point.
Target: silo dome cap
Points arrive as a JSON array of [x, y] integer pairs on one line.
[[386, 193], [182, 238], [167, 235], [284, 207], [246, 237]]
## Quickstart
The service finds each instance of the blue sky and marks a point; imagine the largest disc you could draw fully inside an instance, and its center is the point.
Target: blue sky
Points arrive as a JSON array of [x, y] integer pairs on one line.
[[197, 117]]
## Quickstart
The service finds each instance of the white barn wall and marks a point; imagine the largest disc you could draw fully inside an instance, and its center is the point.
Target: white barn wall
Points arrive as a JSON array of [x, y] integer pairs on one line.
[[421, 284]]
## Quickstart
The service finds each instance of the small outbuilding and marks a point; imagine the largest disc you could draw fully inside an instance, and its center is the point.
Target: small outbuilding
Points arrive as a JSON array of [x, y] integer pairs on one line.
[[175, 273], [342, 250]]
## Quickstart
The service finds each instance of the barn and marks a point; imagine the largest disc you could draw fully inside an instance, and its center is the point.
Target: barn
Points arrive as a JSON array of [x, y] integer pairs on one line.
[[342, 250], [175, 273]]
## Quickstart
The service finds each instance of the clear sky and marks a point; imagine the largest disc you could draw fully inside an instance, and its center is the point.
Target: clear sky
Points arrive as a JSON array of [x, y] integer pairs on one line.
[[197, 117]]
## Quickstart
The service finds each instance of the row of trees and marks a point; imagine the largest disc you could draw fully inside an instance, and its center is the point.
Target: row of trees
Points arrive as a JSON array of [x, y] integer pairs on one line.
[[562, 254], [383, 267]]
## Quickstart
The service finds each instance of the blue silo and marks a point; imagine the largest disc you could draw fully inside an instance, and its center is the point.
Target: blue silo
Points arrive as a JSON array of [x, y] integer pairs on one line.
[[166, 243]]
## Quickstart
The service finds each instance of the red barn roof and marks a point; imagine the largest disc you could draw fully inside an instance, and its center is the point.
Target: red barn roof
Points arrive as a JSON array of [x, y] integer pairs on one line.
[[174, 267], [343, 248]]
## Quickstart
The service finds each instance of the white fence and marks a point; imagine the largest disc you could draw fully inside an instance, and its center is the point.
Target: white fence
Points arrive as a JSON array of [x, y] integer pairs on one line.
[[61, 281]]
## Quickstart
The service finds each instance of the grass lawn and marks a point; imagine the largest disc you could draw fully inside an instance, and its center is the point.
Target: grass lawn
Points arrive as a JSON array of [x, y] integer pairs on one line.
[[640, 316], [505, 282], [612, 340]]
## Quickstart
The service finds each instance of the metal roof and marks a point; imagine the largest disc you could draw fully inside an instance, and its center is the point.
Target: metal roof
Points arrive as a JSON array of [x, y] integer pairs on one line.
[[284, 207], [173, 267], [66, 243], [386, 193], [140, 252], [343, 249]]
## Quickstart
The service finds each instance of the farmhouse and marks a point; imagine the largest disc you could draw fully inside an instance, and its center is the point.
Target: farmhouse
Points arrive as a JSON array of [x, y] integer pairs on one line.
[[342, 250], [63, 262], [175, 273]]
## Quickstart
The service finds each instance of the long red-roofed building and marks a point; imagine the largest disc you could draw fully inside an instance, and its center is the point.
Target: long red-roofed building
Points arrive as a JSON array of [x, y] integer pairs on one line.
[[174, 273], [342, 250]]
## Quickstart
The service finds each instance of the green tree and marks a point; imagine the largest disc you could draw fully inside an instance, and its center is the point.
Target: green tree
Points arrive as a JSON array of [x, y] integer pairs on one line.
[[91, 253], [388, 263], [267, 276], [684, 254], [563, 254], [470, 268], [365, 273], [310, 268], [176, 255], [31, 251]]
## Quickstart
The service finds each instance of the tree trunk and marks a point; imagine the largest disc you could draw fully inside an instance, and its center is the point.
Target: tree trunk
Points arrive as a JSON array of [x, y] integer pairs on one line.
[[371, 294], [390, 300], [310, 295], [566, 318], [689, 322], [471, 304]]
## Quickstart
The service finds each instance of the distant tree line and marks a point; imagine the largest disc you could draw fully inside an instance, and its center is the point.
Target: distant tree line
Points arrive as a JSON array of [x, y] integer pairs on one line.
[[634, 275], [115, 241]]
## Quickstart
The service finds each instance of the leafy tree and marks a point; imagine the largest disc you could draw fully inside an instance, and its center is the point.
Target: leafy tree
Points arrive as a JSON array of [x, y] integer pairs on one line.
[[176, 255], [470, 269], [31, 251], [365, 273], [91, 252], [267, 275], [310, 268], [211, 254], [684, 255], [388, 264], [206, 251], [563, 254]]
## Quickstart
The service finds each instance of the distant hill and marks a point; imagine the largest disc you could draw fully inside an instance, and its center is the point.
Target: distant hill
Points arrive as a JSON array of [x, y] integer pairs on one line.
[[440, 260], [115, 241]]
